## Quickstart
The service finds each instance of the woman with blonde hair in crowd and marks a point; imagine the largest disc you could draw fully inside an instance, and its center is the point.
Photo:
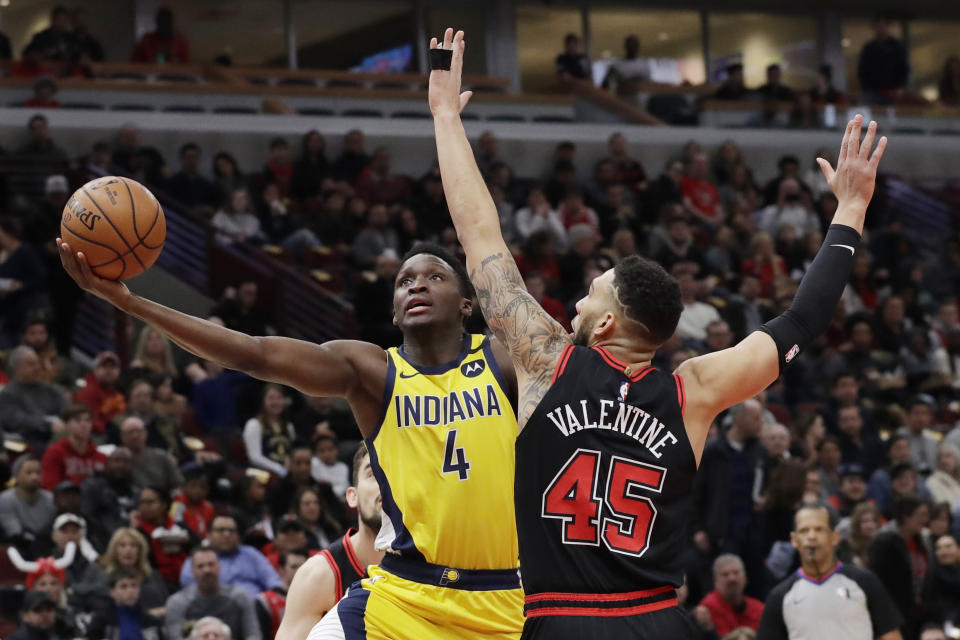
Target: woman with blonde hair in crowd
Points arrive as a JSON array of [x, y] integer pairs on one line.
[[865, 521], [944, 483], [128, 549], [153, 351]]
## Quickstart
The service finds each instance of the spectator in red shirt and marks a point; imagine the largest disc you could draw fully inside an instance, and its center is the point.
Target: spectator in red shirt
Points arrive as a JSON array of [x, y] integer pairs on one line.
[[629, 171], [191, 506], [100, 393], [726, 608], [279, 167], [573, 211], [537, 287], [75, 457], [378, 184], [700, 197], [163, 45], [44, 94], [168, 541], [764, 262], [31, 65]]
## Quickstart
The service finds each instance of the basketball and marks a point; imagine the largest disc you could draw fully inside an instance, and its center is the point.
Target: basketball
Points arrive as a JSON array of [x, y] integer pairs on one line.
[[117, 224]]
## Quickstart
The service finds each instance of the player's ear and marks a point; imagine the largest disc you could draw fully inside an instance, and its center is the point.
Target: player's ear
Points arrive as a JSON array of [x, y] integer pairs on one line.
[[352, 499], [835, 538], [466, 307], [794, 540], [605, 325]]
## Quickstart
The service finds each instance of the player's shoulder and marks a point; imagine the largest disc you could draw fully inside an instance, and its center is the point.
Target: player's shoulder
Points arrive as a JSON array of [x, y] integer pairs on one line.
[[780, 591], [317, 567]]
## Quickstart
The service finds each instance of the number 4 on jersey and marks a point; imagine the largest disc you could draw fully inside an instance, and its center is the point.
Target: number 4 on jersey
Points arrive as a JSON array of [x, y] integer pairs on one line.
[[454, 457], [628, 522]]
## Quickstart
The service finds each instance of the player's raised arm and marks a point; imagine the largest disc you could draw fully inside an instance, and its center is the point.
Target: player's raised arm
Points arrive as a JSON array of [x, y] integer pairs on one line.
[[719, 380], [331, 369], [533, 338]]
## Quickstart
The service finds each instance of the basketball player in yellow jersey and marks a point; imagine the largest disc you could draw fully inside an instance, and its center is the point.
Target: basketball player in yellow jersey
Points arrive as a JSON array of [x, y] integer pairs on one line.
[[440, 427]]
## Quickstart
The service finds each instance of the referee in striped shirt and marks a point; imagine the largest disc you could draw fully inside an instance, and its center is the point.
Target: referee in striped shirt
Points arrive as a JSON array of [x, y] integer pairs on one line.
[[826, 598]]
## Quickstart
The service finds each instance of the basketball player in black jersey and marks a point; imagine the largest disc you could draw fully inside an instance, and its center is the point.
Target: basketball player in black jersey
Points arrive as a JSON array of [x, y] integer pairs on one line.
[[609, 445], [325, 577]]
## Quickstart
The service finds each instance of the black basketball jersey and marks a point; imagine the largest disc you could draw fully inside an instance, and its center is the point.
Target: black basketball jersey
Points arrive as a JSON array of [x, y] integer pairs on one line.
[[344, 562], [604, 480]]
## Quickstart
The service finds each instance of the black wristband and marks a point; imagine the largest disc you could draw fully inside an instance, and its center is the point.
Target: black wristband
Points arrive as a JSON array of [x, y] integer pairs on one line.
[[817, 295], [441, 59]]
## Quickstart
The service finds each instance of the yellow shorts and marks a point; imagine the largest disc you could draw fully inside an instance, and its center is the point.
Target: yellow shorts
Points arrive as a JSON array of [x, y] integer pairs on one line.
[[385, 606]]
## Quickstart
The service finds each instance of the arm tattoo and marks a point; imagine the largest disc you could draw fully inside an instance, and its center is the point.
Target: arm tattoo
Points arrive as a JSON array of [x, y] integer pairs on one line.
[[534, 339]]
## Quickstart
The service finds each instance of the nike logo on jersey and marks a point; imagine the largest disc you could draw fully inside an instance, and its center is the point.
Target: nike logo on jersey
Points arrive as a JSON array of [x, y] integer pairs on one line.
[[412, 375], [845, 246]]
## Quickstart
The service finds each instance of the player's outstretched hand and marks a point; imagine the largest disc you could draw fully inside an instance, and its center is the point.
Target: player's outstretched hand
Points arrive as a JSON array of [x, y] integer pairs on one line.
[[444, 94], [856, 173], [113, 291]]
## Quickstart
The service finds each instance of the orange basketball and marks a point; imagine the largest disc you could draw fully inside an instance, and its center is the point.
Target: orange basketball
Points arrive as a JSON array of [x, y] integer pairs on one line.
[[117, 224]]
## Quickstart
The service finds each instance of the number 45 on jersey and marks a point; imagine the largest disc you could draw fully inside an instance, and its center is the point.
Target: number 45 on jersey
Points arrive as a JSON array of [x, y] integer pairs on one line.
[[619, 516]]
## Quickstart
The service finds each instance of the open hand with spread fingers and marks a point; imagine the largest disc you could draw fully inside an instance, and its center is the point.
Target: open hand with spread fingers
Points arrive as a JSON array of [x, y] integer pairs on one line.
[[444, 92], [854, 178]]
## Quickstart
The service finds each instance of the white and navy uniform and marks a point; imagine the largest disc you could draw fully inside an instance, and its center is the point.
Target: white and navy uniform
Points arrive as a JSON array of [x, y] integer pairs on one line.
[[849, 603]]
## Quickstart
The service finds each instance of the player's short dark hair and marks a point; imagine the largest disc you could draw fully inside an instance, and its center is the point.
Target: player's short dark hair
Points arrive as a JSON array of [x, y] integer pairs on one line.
[[435, 250], [361, 453], [906, 506], [648, 295]]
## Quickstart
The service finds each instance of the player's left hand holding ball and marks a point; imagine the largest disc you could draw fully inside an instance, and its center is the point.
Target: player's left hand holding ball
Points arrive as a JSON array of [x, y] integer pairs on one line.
[[444, 94]]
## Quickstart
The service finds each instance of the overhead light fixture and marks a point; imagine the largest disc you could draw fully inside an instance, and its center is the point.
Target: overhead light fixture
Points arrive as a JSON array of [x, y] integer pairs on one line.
[[663, 36], [4, 3], [843, 43]]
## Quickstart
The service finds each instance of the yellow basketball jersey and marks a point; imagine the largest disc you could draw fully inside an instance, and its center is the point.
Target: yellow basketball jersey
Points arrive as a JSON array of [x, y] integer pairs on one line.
[[443, 455]]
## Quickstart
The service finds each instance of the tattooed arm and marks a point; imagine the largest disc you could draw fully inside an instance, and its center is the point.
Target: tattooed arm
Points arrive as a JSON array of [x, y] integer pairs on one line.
[[533, 339]]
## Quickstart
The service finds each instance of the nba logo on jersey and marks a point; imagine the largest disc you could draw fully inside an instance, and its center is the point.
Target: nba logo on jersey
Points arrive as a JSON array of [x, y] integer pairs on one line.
[[792, 353], [473, 368], [624, 390]]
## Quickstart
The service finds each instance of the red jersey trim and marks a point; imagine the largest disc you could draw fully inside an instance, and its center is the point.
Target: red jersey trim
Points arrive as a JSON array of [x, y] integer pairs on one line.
[[681, 393], [601, 612], [562, 362], [338, 579], [351, 554], [636, 376], [599, 597]]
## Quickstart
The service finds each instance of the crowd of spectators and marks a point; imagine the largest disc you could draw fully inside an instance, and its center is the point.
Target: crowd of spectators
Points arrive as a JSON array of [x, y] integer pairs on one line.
[[126, 465]]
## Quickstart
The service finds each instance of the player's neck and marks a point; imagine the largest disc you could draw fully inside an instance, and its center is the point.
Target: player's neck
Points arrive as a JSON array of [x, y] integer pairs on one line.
[[816, 570], [362, 542], [627, 350], [433, 346]]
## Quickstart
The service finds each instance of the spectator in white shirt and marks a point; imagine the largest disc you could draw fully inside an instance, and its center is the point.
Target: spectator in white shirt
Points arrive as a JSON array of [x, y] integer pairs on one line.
[[790, 209], [324, 467], [268, 436], [236, 222], [539, 216], [696, 315]]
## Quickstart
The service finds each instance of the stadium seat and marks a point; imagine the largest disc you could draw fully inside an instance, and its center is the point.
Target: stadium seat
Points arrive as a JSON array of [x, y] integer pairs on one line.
[[136, 77], [184, 108], [506, 117], [362, 113], [314, 111], [552, 118], [88, 106], [411, 115], [131, 107], [236, 110], [297, 82]]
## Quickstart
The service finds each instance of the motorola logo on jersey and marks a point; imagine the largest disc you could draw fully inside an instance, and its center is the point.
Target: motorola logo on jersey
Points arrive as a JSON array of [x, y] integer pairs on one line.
[[473, 368]]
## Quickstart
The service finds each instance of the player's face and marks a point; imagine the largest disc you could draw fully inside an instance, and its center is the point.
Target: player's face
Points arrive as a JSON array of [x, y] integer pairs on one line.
[[592, 307], [813, 537], [427, 293], [367, 496]]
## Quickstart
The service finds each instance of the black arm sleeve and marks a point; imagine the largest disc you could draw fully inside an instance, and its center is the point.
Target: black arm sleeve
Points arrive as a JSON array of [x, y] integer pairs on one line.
[[884, 614], [817, 295], [772, 626]]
